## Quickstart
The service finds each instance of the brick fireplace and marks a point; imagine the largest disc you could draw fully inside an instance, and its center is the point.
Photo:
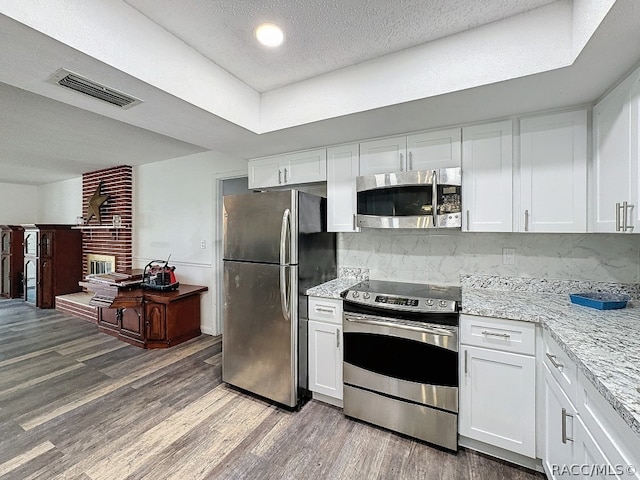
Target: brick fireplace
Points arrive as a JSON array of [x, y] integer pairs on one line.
[[104, 239]]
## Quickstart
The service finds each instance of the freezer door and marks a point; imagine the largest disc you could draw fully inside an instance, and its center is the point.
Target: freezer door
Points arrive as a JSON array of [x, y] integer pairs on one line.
[[260, 227], [260, 335]]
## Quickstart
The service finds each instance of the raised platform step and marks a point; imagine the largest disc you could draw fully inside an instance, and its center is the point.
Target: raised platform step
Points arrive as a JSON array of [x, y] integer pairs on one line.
[[77, 304]]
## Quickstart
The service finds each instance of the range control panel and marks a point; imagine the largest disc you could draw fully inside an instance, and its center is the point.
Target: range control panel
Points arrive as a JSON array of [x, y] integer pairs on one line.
[[398, 302]]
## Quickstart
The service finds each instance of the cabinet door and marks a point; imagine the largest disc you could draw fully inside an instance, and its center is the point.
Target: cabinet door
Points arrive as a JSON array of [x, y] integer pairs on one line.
[[46, 244], [342, 169], [131, 323], [109, 318], [325, 359], [31, 281], [6, 242], [5, 276], [553, 178], [46, 298], [560, 447], [592, 461], [487, 192], [615, 157], [155, 321], [304, 167], [383, 156], [30, 243], [432, 150], [497, 399], [265, 172]]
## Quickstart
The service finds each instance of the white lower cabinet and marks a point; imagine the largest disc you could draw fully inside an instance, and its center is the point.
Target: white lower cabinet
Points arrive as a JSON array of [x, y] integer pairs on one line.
[[325, 349], [497, 385]]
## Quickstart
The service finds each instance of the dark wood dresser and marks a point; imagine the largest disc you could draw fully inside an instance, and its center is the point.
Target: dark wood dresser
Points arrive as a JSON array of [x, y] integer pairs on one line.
[[52, 262], [11, 261]]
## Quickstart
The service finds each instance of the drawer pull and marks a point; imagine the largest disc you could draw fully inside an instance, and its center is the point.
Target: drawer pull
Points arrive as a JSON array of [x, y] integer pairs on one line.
[[325, 310], [486, 333], [564, 426], [554, 362]]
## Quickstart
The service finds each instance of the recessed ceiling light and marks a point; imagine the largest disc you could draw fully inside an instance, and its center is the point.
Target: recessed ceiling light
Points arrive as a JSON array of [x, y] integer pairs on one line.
[[269, 34]]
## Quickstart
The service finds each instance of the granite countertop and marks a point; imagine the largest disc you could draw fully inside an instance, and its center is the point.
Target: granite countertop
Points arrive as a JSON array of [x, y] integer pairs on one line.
[[347, 278], [604, 344]]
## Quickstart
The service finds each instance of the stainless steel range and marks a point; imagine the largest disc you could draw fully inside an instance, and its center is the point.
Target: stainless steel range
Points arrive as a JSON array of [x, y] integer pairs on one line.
[[401, 358]]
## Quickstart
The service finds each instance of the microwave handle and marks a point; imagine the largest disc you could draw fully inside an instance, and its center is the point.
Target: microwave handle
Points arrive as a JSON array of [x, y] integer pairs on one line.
[[434, 197]]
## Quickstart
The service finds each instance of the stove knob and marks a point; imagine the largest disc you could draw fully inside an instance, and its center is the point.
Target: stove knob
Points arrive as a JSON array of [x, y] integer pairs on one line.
[[443, 303], [355, 294], [366, 296], [429, 302]]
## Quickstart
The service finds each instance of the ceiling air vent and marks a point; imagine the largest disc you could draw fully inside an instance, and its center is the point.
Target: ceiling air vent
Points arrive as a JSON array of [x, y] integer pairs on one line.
[[81, 84]]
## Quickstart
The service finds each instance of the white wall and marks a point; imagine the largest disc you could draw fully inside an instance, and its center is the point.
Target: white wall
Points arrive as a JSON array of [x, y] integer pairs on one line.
[[173, 212], [440, 257], [18, 204], [60, 202]]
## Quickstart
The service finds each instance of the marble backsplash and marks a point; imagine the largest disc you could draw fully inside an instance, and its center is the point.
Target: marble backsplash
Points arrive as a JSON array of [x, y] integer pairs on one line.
[[442, 256]]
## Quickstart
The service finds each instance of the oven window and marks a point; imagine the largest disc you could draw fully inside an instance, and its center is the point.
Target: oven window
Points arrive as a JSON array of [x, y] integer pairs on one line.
[[402, 358], [396, 201]]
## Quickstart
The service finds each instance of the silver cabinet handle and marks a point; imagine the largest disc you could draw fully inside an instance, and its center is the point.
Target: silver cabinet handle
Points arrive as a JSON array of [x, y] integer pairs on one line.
[[564, 426], [410, 160], [493, 334], [279, 176], [526, 220], [554, 362], [434, 197], [337, 338], [468, 228], [625, 217], [285, 174], [324, 310], [618, 226], [466, 363], [401, 163]]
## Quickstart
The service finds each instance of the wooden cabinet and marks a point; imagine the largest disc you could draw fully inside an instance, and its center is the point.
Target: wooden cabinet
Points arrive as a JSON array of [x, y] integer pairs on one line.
[[325, 349], [11, 261], [487, 166], [52, 263], [553, 173], [497, 383], [343, 164], [616, 138], [420, 151], [154, 319], [288, 169]]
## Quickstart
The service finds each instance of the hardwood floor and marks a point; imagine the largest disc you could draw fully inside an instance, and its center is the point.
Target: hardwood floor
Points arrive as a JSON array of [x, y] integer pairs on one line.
[[78, 404]]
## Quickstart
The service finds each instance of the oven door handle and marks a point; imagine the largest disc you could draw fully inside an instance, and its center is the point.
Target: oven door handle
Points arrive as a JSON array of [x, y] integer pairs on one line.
[[382, 323]]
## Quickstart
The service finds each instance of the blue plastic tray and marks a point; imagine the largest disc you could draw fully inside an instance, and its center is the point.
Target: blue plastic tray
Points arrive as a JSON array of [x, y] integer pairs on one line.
[[601, 301]]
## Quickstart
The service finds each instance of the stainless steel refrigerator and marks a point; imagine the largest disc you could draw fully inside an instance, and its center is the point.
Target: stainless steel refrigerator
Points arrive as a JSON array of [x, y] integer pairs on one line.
[[275, 247]]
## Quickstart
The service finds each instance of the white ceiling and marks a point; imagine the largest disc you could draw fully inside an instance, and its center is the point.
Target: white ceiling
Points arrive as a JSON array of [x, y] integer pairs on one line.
[[341, 76], [321, 36]]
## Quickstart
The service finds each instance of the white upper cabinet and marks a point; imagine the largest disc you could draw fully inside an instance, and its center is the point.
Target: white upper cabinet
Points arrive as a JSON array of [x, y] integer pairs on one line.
[[433, 150], [487, 190], [383, 156], [553, 173], [305, 167], [342, 170], [421, 151], [289, 169], [615, 166]]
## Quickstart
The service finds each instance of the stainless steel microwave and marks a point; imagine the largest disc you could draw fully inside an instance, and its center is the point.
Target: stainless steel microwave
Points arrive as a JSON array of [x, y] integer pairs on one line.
[[415, 199]]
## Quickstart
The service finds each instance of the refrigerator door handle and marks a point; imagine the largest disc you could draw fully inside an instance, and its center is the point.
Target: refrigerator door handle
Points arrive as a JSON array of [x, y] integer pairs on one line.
[[285, 294], [285, 230], [285, 284]]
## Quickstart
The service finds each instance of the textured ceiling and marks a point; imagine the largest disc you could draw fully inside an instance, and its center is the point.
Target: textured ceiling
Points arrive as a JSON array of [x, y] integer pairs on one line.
[[320, 36]]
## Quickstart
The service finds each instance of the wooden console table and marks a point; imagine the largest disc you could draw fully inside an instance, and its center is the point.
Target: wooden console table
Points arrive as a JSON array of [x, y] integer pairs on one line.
[[153, 319]]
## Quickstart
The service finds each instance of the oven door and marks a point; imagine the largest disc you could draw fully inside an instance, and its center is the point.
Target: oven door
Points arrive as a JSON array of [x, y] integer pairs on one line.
[[405, 359]]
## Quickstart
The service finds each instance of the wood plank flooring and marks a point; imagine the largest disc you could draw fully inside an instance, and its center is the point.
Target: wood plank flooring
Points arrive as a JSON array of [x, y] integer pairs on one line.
[[78, 404]]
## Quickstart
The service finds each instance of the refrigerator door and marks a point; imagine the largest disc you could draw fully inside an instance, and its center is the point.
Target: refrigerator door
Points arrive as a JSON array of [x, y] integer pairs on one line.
[[259, 227], [260, 337]]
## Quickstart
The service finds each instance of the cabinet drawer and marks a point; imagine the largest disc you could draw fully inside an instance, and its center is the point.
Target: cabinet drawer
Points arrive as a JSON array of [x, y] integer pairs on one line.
[[562, 368], [325, 310], [498, 334]]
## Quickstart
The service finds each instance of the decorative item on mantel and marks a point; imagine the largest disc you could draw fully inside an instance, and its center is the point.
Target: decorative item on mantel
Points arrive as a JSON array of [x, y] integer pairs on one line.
[[95, 202]]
